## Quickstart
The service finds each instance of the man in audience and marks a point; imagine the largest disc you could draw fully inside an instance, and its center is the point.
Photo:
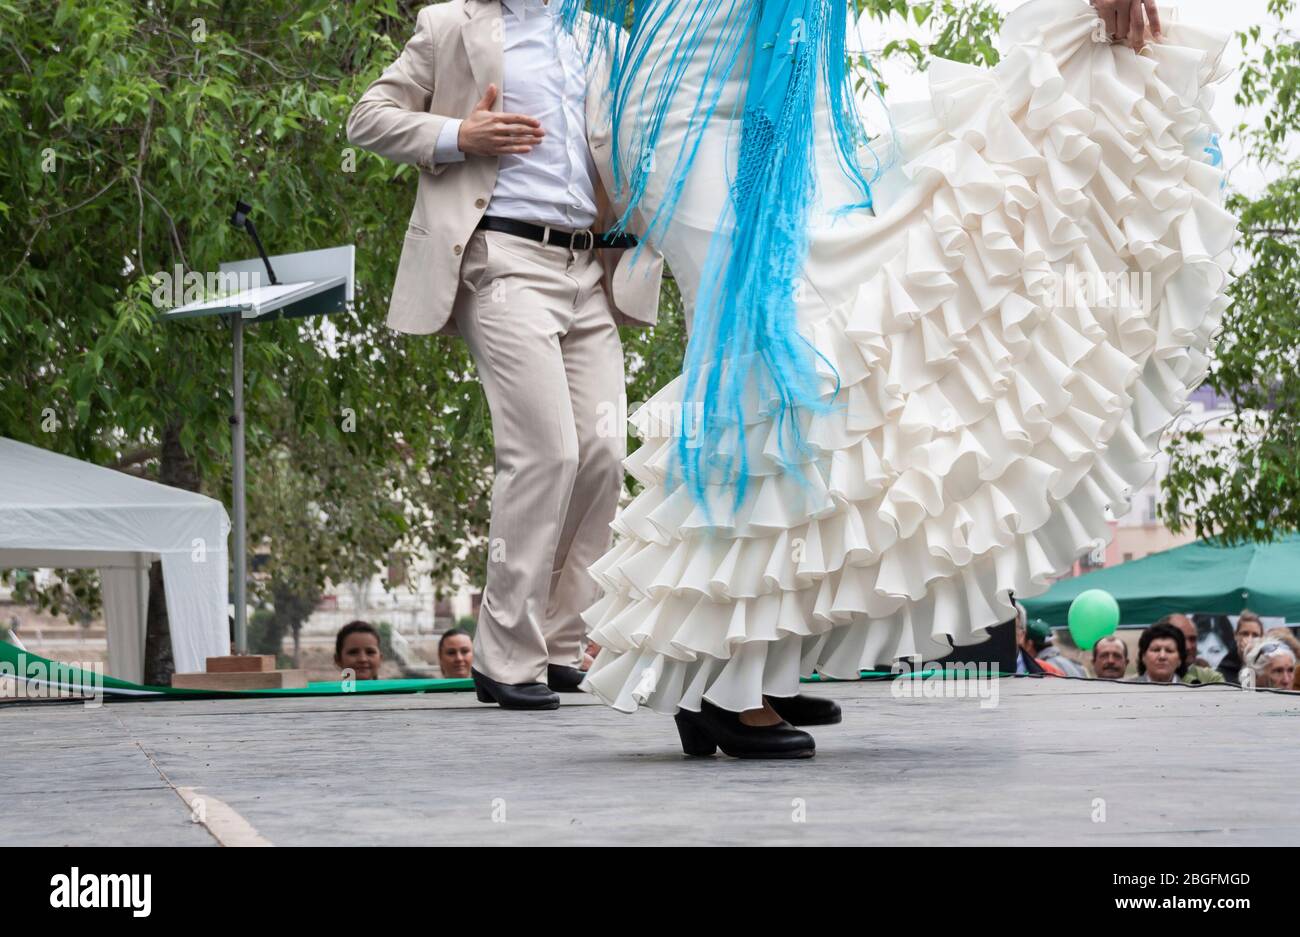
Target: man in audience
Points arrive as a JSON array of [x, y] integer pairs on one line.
[[1038, 638], [455, 653], [1027, 659], [1110, 658], [1197, 670]]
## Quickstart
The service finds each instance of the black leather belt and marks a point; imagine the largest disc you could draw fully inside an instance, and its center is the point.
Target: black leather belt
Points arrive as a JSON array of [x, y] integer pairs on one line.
[[578, 240]]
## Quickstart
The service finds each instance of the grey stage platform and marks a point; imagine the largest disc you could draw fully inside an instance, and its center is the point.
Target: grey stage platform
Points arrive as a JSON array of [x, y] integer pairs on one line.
[[1213, 766]]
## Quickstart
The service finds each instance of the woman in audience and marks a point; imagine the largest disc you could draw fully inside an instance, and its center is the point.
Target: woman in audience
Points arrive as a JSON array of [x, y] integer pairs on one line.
[[1249, 630], [1162, 654], [1272, 662], [455, 653], [1287, 637]]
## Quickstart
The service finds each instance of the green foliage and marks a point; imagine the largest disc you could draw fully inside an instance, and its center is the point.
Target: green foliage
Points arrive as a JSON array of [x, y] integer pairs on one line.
[[1270, 79], [265, 632], [74, 594], [129, 130], [1250, 488], [385, 630], [959, 30], [654, 356]]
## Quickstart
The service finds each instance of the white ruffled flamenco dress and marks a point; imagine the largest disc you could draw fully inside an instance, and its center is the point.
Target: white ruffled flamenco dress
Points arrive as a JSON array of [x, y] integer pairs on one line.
[[989, 417]]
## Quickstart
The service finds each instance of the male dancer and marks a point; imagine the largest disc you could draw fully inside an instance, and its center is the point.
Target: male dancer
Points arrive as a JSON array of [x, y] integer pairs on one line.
[[490, 99]]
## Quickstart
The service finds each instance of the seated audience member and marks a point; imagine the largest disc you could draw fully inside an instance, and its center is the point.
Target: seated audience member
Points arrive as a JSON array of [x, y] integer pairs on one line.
[[1272, 662], [356, 648], [1249, 630], [1287, 637], [1162, 654], [1039, 635], [1027, 659], [1196, 670], [1110, 658], [455, 653]]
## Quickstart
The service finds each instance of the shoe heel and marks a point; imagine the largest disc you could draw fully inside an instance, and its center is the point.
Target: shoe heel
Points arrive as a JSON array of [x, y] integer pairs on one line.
[[480, 689], [695, 741]]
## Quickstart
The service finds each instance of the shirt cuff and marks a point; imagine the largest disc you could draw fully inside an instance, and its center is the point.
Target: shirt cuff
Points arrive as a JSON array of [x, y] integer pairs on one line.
[[447, 149]]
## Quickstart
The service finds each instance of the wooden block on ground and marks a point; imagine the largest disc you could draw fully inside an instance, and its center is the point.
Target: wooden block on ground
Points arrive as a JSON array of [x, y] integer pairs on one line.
[[242, 680], [241, 663]]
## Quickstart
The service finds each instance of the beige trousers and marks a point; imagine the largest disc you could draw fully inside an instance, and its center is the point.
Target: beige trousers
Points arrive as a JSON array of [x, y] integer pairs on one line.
[[539, 326]]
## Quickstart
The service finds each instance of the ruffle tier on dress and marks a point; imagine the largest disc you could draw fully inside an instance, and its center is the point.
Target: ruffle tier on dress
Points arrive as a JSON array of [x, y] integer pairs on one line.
[[982, 425]]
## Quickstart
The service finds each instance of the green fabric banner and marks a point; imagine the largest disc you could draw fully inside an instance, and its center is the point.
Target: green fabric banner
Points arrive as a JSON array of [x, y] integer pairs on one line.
[[25, 665]]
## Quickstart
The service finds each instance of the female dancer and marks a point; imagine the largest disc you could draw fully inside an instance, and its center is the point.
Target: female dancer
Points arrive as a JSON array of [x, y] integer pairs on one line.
[[920, 370]]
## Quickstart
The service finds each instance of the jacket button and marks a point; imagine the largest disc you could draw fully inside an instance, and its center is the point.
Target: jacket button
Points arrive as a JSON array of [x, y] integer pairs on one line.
[[456, 249], [480, 203]]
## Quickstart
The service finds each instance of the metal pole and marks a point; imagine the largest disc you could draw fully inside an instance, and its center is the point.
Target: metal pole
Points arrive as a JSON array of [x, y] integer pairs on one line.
[[237, 426]]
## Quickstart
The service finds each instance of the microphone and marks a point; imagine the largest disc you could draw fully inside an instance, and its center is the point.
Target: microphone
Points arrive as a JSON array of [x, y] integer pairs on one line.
[[240, 219]]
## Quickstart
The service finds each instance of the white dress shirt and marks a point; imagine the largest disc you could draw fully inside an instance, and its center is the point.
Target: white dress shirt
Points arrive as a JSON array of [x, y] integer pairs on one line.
[[544, 76]]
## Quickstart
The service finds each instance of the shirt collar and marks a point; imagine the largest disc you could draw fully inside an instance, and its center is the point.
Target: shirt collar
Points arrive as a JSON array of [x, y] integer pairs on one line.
[[519, 7]]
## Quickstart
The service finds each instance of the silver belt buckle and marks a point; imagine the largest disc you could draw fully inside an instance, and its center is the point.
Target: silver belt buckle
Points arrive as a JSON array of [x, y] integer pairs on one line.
[[591, 239]]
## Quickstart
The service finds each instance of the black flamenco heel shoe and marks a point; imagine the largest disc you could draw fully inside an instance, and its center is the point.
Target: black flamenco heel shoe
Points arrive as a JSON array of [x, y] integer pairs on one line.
[[563, 679], [804, 710], [514, 696], [704, 732]]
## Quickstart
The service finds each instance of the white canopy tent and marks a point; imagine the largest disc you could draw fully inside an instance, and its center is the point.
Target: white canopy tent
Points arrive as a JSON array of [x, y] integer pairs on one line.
[[56, 511]]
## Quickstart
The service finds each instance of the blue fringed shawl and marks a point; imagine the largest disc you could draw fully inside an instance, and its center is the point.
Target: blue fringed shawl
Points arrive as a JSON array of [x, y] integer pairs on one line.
[[745, 343]]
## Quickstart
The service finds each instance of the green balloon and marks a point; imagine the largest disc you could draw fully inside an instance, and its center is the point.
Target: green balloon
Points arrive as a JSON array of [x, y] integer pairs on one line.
[[1093, 615]]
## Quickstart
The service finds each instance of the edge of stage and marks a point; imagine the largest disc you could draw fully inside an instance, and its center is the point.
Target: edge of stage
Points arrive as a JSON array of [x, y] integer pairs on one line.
[[1053, 762]]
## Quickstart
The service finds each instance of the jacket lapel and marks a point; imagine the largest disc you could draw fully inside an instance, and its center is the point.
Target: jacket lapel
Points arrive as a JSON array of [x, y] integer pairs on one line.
[[482, 36], [598, 95]]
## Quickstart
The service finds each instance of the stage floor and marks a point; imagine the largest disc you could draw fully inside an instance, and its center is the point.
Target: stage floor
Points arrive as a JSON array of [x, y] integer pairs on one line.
[[1054, 762]]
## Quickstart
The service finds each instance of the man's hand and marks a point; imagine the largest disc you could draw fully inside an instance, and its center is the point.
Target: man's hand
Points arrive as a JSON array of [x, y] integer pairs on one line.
[[1124, 20], [484, 133]]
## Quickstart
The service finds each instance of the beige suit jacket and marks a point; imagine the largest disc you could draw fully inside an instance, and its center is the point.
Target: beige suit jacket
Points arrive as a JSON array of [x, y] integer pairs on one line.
[[445, 69]]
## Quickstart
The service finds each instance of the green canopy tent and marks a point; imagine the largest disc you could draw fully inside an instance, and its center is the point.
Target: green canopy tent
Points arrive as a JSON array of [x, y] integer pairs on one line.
[[1203, 576]]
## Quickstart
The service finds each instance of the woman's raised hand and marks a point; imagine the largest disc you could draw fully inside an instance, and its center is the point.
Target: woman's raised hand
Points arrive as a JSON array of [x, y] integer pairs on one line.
[[1125, 20]]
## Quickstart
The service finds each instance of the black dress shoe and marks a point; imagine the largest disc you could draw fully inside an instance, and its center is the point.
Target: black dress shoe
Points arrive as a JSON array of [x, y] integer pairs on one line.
[[704, 732], [806, 710], [514, 695], [563, 679]]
